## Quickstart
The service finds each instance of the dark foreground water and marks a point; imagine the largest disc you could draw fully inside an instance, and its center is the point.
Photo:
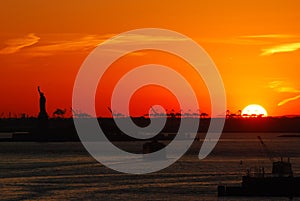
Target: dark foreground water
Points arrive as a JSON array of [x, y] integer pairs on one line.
[[65, 171]]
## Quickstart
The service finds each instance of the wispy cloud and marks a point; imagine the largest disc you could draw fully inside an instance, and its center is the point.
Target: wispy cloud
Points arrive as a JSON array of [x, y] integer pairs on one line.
[[240, 40], [145, 39], [275, 84], [283, 87], [287, 43], [288, 100], [95, 40], [80, 43], [16, 44], [289, 47], [52, 44], [269, 44], [259, 39], [75, 44], [271, 36]]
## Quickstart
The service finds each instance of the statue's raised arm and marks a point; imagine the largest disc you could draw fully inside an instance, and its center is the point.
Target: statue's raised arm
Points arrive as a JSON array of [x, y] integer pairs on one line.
[[39, 90]]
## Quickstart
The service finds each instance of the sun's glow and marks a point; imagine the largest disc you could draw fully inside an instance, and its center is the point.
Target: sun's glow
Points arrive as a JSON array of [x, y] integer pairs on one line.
[[254, 110]]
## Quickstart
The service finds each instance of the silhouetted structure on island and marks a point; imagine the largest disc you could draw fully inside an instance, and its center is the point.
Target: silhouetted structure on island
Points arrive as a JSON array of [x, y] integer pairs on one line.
[[40, 133], [42, 114], [78, 114]]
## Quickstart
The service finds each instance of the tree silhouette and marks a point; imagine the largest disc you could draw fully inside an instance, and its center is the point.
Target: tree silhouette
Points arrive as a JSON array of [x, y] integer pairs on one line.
[[59, 113]]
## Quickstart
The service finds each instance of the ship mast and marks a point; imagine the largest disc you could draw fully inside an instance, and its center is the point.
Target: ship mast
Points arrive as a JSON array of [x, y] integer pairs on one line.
[[279, 168], [268, 153]]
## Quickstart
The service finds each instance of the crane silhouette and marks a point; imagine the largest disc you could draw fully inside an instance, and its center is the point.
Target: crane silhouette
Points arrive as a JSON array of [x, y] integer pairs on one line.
[[115, 114], [79, 114]]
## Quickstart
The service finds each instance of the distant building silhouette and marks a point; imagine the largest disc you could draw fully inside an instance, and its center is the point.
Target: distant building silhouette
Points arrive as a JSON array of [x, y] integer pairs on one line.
[[42, 114], [78, 114]]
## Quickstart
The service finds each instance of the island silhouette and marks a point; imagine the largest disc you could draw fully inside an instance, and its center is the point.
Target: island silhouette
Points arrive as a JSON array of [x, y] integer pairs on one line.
[[61, 128]]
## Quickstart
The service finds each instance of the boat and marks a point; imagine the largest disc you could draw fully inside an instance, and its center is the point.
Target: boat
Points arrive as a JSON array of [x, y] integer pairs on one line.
[[280, 183]]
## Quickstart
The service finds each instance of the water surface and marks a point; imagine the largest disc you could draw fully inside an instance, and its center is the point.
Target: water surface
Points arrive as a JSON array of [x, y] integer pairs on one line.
[[65, 171]]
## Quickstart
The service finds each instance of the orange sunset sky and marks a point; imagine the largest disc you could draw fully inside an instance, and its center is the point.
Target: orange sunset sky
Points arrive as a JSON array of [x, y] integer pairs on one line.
[[255, 45]]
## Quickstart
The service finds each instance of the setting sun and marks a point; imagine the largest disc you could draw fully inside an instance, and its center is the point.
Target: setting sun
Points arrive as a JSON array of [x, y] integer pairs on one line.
[[254, 110]]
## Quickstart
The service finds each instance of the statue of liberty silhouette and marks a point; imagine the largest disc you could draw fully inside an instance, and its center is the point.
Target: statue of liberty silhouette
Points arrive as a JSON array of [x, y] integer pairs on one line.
[[42, 114]]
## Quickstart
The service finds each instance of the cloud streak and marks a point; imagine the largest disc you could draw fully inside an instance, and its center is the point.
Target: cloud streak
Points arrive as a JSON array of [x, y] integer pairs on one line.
[[259, 39], [75, 42], [271, 36], [288, 100], [235, 41], [145, 39], [282, 87], [16, 44], [289, 43], [289, 47], [82, 43], [52, 44], [269, 44]]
